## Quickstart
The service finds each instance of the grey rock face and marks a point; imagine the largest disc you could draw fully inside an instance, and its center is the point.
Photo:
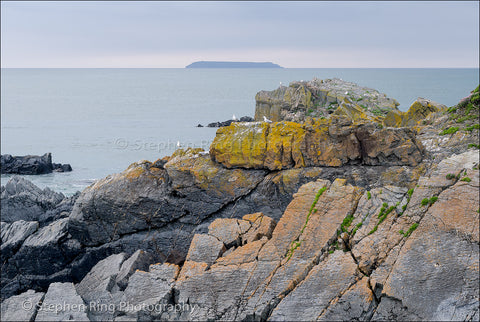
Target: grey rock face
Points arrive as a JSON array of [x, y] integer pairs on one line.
[[62, 303], [205, 248], [148, 292], [21, 307], [314, 294], [146, 203], [22, 200], [140, 260], [101, 278], [393, 310], [357, 302], [157, 210], [294, 271], [40, 260], [96, 288], [13, 235]]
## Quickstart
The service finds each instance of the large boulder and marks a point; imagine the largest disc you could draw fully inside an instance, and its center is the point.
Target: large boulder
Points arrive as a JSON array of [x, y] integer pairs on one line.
[[319, 142], [187, 189]]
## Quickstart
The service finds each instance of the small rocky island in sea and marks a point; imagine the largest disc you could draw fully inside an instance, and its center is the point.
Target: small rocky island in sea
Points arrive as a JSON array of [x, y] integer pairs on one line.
[[232, 64], [31, 164], [228, 122], [340, 207]]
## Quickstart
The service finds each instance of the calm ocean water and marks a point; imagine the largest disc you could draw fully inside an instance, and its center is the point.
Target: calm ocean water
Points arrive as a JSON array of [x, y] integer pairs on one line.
[[102, 120]]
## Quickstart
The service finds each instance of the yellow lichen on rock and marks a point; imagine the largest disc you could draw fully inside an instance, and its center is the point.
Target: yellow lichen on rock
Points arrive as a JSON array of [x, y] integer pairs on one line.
[[355, 113], [283, 146], [241, 144], [417, 112], [329, 142]]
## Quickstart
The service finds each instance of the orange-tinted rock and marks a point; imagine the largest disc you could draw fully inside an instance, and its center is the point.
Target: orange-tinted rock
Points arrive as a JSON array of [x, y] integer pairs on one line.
[[318, 142]]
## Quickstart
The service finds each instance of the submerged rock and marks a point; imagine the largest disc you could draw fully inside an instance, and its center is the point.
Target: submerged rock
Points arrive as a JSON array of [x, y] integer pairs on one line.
[[31, 164]]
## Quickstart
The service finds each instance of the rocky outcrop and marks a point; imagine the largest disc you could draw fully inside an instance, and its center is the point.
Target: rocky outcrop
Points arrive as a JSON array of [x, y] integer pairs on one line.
[[417, 113], [320, 98], [138, 219], [382, 235], [31, 164], [453, 131], [339, 252], [35, 245], [22, 200], [331, 142], [13, 235], [145, 197]]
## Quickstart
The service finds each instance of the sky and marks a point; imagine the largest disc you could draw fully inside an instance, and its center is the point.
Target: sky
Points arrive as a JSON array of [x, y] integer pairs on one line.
[[293, 34]]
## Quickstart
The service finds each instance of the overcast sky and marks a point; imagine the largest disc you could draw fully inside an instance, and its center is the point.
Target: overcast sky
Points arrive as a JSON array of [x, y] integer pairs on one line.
[[293, 34]]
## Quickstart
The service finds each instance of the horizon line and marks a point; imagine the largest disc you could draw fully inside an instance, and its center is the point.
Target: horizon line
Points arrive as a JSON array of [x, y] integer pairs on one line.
[[473, 67]]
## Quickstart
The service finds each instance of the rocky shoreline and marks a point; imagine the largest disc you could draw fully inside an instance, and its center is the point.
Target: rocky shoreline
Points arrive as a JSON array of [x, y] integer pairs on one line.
[[348, 215]]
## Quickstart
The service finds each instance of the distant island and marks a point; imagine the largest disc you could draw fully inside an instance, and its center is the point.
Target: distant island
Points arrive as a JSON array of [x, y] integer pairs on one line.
[[231, 64]]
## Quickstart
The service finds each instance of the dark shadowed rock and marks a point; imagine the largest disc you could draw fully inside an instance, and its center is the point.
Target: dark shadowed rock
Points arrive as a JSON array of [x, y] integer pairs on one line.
[[13, 235], [41, 259], [228, 122], [22, 200], [31, 164]]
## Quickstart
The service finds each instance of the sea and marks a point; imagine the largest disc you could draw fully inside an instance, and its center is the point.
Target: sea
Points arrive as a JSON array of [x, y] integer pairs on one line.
[[102, 120]]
